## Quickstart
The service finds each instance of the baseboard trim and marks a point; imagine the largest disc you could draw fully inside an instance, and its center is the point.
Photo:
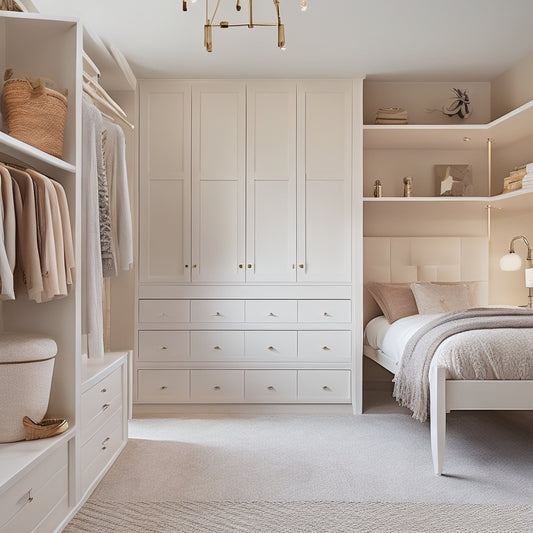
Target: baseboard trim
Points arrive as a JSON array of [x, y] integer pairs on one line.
[[165, 410]]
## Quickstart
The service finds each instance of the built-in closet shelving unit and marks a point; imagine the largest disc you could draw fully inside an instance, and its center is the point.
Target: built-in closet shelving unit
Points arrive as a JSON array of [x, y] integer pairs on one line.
[[493, 149], [43, 482]]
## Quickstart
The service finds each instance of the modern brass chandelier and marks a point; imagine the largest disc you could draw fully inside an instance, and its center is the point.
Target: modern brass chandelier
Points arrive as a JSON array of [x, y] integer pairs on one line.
[[210, 21]]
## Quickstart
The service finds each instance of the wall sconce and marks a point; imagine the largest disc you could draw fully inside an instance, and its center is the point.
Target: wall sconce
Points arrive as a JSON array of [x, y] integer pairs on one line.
[[512, 261]]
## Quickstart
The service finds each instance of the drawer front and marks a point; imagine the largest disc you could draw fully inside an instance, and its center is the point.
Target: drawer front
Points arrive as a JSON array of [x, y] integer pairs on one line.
[[100, 448], [217, 311], [163, 345], [271, 345], [326, 311], [271, 311], [28, 501], [270, 386], [101, 397], [216, 345], [324, 386], [163, 311], [217, 386], [324, 346], [162, 386]]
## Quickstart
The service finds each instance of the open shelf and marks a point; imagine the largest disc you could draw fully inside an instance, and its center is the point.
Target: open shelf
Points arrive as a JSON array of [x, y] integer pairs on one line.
[[516, 125], [520, 199], [32, 156]]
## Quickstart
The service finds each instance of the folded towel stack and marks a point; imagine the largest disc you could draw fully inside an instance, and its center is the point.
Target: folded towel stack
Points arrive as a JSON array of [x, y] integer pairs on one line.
[[527, 180], [391, 115]]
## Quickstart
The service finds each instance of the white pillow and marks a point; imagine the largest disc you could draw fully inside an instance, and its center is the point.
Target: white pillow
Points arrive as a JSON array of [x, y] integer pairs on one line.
[[432, 298]]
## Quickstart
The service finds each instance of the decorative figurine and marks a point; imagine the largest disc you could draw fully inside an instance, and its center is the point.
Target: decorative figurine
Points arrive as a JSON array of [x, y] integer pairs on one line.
[[378, 189], [460, 105], [407, 187]]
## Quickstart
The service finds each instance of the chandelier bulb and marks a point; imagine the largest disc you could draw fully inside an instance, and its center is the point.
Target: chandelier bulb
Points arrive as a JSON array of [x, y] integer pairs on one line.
[[184, 5], [208, 37], [281, 36], [303, 5], [238, 6]]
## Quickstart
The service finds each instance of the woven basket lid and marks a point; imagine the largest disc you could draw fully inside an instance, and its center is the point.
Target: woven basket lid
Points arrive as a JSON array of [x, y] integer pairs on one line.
[[25, 347]]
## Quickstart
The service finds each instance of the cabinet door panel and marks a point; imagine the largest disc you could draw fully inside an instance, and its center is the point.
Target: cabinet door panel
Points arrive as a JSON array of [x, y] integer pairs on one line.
[[271, 195], [271, 252], [217, 240], [325, 245], [165, 181]]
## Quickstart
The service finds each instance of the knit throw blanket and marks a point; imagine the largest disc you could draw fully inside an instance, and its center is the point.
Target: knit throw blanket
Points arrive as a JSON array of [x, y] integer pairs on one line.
[[411, 383]]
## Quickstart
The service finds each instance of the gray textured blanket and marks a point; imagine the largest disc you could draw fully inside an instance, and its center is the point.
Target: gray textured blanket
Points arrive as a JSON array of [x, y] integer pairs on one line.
[[411, 383]]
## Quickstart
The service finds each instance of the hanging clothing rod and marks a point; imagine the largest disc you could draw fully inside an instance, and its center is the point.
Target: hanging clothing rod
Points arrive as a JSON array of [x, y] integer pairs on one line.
[[98, 99]]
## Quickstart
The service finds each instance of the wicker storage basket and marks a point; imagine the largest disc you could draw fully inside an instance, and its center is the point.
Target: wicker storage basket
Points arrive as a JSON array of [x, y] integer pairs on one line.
[[26, 368], [35, 114]]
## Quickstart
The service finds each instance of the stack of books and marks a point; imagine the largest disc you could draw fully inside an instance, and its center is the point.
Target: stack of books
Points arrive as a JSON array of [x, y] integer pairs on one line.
[[391, 115], [515, 180]]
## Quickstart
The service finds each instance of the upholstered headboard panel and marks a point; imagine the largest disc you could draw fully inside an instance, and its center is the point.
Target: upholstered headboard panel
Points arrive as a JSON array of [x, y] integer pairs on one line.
[[407, 259]]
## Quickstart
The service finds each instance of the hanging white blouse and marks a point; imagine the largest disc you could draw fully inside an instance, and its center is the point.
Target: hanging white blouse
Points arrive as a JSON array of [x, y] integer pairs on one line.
[[6, 275], [117, 177]]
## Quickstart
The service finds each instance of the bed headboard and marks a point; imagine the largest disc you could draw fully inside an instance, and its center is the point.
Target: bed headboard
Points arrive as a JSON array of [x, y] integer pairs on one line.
[[407, 259]]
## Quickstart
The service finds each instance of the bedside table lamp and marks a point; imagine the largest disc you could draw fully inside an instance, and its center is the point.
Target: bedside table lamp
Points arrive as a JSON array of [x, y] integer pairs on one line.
[[512, 261]]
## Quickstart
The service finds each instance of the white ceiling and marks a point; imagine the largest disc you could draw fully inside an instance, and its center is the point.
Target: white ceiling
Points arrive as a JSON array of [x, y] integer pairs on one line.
[[408, 40]]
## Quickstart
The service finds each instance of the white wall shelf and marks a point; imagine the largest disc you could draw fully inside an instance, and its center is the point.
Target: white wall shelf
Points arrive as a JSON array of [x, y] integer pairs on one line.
[[505, 130], [41, 161]]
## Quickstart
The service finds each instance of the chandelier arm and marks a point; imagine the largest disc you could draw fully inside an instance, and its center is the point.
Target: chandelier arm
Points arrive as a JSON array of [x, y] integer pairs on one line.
[[214, 12]]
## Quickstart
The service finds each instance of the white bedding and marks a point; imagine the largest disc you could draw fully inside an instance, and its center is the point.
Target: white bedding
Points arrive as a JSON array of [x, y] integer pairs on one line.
[[392, 338]]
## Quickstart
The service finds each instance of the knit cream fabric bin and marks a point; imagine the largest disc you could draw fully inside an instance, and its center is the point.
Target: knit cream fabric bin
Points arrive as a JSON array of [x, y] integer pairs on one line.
[[26, 367]]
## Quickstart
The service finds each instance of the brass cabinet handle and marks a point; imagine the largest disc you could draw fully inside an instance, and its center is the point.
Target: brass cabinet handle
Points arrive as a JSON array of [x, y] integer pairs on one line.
[[103, 390], [325, 347], [326, 313], [30, 497], [106, 440], [293, 267], [163, 387], [271, 348], [271, 314], [164, 348], [249, 265], [300, 265], [270, 387], [325, 387], [186, 266], [217, 314], [216, 348], [104, 447], [216, 387], [105, 406], [194, 266], [241, 265]]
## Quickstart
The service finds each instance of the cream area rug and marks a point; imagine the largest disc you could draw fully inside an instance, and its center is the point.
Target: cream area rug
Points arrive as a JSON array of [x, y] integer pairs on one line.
[[297, 517], [316, 473]]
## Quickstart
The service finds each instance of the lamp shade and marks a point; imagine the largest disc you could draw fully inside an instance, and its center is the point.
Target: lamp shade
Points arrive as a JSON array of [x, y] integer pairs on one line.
[[511, 261]]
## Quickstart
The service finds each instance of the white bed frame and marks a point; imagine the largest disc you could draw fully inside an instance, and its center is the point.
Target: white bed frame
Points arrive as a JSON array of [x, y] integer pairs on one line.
[[405, 259], [453, 395]]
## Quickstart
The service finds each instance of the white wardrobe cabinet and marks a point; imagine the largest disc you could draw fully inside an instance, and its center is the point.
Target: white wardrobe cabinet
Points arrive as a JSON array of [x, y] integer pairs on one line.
[[262, 313]]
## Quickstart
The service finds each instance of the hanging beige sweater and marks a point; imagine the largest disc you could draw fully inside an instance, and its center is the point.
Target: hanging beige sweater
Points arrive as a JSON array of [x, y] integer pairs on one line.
[[27, 230]]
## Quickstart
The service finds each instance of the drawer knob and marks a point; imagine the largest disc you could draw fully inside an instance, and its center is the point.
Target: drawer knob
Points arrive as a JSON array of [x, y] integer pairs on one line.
[[104, 447], [103, 390], [270, 387], [194, 266], [326, 313], [105, 440], [105, 406], [249, 265], [271, 314], [163, 387], [240, 265], [186, 266], [217, 314], [216, 387], [271, 348], [293, 267], [164, 348], [300, 265], [326, 348], [30, 497], [217, 348], [326, 388]]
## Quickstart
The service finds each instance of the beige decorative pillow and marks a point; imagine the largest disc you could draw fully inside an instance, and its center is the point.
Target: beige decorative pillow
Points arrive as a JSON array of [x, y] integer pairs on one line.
[[432, 298], [396, 300]]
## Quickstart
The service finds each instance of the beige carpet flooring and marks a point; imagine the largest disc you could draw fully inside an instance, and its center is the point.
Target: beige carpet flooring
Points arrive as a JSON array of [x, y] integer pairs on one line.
[[369, 458]]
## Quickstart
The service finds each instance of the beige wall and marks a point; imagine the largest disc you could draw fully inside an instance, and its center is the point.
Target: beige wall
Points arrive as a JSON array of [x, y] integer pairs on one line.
[[513, 88], [123, 286]]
